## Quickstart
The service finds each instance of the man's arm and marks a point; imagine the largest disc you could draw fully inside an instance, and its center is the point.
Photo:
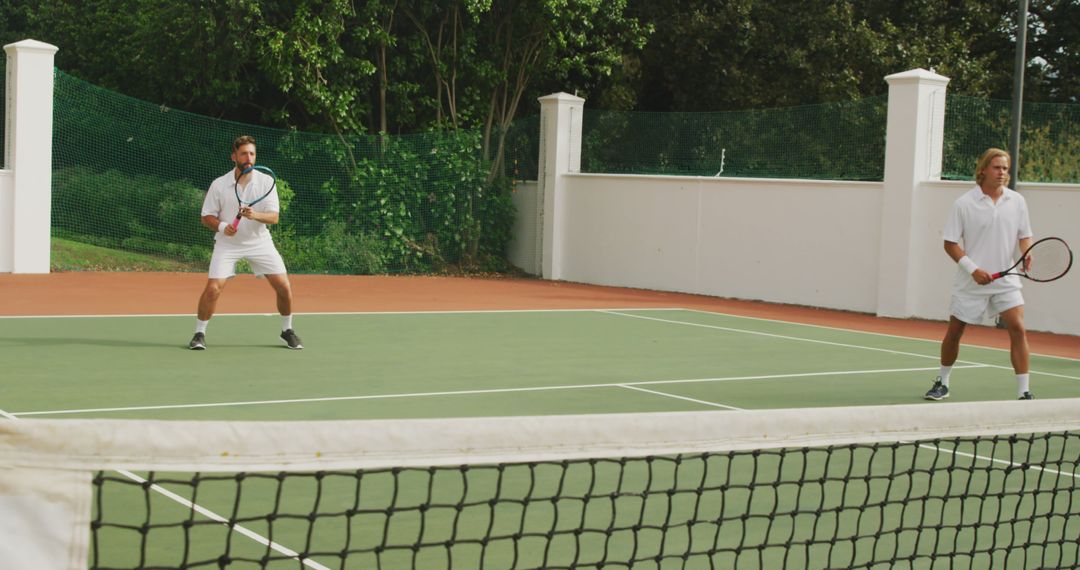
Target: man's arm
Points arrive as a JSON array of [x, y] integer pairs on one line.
[[954, 250], [1025, 244], [960, 257], [213, 223]]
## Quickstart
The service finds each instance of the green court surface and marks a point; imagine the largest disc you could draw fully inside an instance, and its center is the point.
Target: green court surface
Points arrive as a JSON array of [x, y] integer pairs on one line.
[[404, 365], [514, 363]]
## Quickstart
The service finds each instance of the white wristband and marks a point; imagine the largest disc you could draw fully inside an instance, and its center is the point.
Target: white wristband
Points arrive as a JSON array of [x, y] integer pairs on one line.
[[221, 227], [968, 265]]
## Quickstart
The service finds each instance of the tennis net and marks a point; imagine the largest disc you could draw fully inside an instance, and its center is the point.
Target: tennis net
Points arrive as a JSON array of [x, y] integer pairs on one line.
[[958, 485]]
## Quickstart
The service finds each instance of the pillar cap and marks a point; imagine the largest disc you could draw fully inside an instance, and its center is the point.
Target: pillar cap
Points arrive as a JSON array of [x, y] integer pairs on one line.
[[560, 97], [918, 75], [31, 45]]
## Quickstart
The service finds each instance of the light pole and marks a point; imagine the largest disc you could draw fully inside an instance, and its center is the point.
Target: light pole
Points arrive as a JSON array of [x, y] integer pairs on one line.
[[1018, 91]]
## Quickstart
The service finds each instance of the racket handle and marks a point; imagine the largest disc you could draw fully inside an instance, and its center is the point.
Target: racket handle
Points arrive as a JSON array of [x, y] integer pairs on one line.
[[235, 222], [995, 276]]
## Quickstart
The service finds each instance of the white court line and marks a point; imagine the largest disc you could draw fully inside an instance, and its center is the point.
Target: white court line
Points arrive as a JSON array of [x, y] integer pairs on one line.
[[677, 397], [218, 518], [779, 336], [938, 449], [830, 343], [1001, 461], [346, 313], [7, 415], [886, 335], [486, 391]]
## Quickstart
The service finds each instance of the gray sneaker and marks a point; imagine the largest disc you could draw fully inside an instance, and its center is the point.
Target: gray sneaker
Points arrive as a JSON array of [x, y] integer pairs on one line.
[[1027, 396], [938, 392], [291, 340], [198, 342]]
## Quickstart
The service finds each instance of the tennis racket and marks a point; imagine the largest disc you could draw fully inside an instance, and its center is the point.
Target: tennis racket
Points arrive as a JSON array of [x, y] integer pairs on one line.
[[236, 189], [1051, 259]]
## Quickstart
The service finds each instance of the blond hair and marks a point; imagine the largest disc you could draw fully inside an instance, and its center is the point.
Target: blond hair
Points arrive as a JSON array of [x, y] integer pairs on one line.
[[985, 160]]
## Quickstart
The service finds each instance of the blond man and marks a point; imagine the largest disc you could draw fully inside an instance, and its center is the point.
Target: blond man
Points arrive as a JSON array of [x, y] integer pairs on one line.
[[986, 225]]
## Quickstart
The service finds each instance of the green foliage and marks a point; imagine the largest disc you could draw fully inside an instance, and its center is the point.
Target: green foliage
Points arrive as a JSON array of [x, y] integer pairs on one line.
[[746, 54], [1050, 156], [334, 66], [495, 220], [410, 204], [138, 213], [1049, 142], [67, 255], [405, 203], [334, 250]]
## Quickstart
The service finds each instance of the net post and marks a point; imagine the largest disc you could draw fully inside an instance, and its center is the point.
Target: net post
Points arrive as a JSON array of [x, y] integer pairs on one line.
[[26, 185]]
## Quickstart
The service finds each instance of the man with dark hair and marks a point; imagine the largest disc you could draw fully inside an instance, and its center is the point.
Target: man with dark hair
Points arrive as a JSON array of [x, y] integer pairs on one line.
[[249, 240]]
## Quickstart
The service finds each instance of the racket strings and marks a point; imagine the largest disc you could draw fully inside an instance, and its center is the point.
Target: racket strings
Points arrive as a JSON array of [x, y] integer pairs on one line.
[[251, 193], [1049, 260]]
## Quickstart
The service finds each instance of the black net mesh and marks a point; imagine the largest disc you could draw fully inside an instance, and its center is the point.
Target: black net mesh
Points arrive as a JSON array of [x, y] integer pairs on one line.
[[990, 502]]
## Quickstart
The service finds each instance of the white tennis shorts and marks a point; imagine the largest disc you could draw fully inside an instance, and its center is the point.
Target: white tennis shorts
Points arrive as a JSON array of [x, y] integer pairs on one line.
[[970, 308], [264, 259]]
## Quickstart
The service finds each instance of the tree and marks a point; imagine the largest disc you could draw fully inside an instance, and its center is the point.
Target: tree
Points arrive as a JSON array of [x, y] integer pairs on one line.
[[548, 44], [741, 54], [1054, 51]]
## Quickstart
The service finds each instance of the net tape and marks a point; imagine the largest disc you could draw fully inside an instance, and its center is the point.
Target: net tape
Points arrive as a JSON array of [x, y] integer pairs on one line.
[[783, 488]]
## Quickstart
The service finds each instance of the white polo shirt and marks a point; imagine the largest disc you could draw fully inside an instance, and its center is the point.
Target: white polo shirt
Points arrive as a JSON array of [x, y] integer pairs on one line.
[[221, 201], [989, 234]]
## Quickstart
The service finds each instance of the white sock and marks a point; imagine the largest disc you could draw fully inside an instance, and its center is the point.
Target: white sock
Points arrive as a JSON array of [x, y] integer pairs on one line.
[[944, 374], [1022, 380], [286, 322], [200, 326]]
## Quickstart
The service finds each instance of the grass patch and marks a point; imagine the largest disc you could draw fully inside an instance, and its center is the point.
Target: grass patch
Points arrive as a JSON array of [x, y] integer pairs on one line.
[[75, 256]]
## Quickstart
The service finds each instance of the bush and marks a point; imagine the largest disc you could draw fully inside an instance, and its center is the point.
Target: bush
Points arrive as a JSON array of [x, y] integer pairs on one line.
[[139, 213], [332, 251]]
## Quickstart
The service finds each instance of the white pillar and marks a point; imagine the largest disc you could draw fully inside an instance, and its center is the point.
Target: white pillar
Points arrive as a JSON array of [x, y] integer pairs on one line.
[[914, 136], [26, 189], [560, 153]]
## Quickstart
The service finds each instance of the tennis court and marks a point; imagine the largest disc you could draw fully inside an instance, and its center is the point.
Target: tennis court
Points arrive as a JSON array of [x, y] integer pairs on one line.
[[478, 363], [364, 365]]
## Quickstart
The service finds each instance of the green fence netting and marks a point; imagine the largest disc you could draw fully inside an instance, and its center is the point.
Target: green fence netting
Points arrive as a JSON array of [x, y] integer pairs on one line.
[[834, 141], [1049, 138], [131, 175]]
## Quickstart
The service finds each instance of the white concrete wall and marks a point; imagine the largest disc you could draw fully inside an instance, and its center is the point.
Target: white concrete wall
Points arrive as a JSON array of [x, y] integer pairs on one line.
[[802, 242]]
